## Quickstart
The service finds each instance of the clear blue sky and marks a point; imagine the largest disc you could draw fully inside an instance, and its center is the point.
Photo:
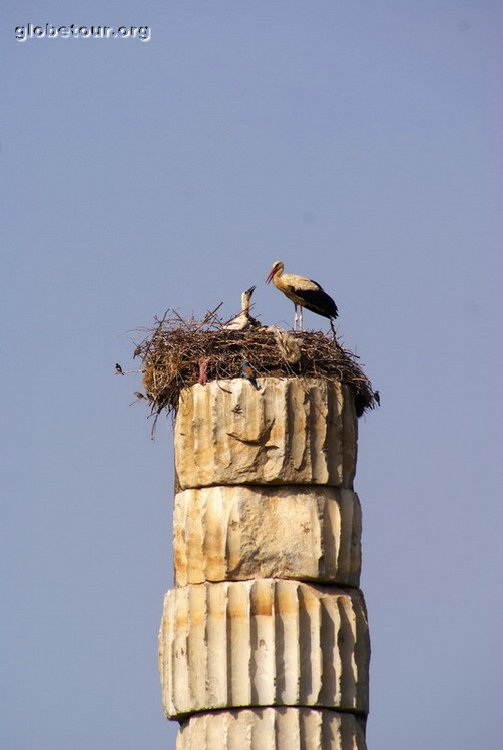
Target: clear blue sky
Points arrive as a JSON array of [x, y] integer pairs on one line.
[[360, 142]]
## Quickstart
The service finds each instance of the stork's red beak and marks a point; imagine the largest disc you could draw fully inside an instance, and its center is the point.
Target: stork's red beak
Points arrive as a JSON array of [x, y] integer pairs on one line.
[[271, 274]]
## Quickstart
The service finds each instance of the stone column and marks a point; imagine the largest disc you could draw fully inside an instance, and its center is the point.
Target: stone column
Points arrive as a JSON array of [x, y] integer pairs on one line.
[[264, 640]]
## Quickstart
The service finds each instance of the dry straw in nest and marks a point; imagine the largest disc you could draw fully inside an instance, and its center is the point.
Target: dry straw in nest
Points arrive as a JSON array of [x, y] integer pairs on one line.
[[177, 353]]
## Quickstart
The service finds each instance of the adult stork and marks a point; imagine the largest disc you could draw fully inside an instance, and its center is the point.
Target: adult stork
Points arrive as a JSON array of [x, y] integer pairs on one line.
[[303, 293]]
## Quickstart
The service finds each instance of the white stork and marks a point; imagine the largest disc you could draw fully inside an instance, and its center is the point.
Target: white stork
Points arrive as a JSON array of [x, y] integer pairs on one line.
[[244, 320], [303, 293]]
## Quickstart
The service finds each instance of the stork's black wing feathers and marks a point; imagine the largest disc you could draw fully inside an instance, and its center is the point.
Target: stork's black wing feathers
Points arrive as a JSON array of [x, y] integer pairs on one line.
[[317, 300]]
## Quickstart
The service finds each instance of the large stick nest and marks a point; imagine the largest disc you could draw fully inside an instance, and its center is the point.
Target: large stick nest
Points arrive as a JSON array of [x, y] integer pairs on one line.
[[177, 354]]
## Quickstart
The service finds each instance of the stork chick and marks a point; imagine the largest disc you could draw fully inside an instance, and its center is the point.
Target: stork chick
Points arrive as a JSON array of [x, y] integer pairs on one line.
[[287, 345], [303, 293], [244, 320]]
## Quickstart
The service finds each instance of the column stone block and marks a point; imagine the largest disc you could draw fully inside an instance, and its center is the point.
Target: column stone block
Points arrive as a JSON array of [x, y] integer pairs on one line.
[[272, 729], [291, 431], [263, 643], [243, 532]]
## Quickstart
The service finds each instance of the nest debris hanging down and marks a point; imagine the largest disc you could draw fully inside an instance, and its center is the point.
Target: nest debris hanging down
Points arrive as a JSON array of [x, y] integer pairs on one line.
[[177, 353]]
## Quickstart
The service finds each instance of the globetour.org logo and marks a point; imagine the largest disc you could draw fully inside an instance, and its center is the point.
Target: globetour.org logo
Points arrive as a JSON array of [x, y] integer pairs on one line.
[[48, 31]]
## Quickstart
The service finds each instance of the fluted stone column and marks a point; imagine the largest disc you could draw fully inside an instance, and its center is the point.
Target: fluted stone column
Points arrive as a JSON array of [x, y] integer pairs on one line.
[[264, 640]]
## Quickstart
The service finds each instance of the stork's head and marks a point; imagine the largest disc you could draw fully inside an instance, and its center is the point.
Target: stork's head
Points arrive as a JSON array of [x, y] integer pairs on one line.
[[245, 299], [248, 292], [277, 267]]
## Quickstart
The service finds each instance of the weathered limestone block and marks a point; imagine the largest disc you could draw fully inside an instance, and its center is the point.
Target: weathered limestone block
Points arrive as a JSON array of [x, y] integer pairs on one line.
[[292, 431], [242, 532], [272, 729], [263, 643]]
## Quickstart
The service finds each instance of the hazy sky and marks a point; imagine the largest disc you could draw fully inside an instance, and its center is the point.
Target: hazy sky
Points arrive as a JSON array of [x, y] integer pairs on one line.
[[358, 141]]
